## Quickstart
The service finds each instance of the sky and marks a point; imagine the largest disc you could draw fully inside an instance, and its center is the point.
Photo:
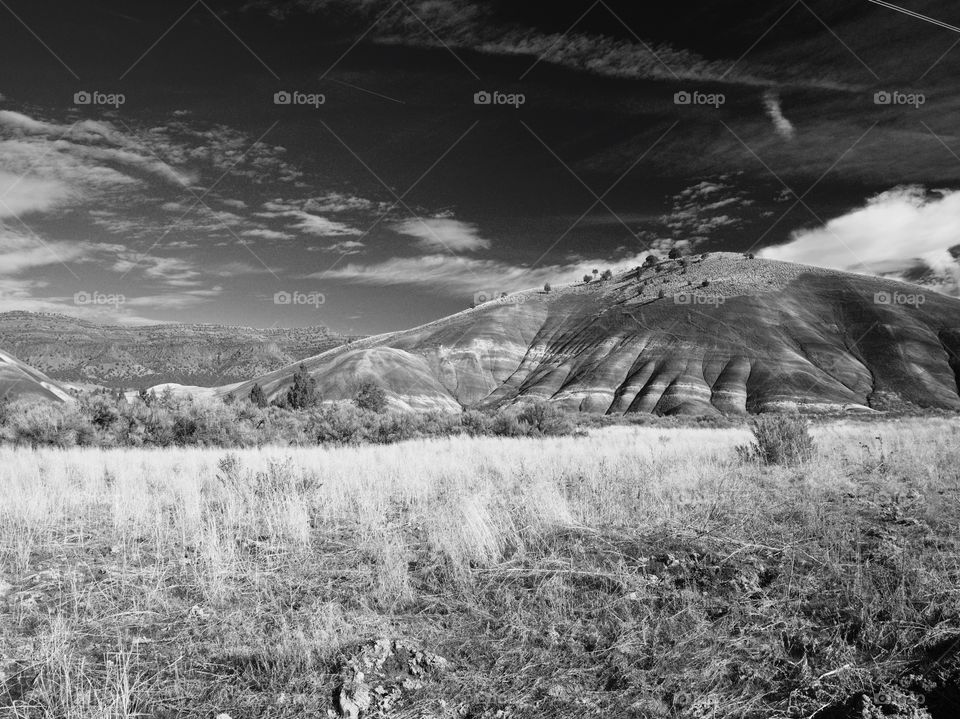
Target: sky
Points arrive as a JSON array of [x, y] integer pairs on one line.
[[370, 165]]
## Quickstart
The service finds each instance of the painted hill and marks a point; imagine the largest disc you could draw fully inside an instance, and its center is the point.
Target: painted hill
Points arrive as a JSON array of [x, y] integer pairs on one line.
[[20, 381], [73, 350], [724, 334]]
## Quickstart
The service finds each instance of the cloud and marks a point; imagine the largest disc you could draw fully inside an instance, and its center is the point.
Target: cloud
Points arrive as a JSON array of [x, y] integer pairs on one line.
[[336, 202], [462, 276], [22, 195], [304, 221], [264, 234], [175, 301], [19, 253], [697, 214], [473, 25], [443, 233], [320, 226], [893, 234], [171, 271], [771, 102], [347, 247]]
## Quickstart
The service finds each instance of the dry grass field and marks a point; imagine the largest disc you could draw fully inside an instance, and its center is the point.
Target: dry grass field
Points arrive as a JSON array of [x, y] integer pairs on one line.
[[635, 571]]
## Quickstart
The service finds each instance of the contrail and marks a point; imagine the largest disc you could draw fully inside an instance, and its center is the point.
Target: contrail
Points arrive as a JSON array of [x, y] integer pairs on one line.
[[917, 15]]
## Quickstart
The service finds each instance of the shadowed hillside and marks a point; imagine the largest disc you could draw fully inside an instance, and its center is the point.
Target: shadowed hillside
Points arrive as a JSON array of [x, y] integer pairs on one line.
[[722, 333]]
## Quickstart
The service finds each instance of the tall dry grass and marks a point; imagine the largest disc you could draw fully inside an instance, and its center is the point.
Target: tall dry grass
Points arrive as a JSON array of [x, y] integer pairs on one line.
[[110, 539]]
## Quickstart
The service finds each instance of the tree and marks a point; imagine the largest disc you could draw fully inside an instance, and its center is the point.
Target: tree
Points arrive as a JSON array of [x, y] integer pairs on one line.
[[370, 396], [596, 272], [607, 274], [586, 279], [258, 396], [675, 254], [650, 261], [661, 293], [547, 287], [303, 393]]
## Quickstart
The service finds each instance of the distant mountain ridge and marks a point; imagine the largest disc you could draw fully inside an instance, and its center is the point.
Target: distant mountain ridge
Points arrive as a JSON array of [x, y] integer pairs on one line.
[[69, 349], [724, 334]]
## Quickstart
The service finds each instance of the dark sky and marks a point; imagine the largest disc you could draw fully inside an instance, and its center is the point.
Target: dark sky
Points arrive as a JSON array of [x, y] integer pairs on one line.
[[399, 198]]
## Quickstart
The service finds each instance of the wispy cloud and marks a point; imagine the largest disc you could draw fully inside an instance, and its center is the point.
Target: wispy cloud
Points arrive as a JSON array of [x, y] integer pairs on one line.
[[460, 276], [784, 128], [303, 221], [438, 233]]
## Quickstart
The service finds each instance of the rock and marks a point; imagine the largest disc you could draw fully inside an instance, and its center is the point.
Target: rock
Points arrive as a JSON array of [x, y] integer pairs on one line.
[[380, 673]]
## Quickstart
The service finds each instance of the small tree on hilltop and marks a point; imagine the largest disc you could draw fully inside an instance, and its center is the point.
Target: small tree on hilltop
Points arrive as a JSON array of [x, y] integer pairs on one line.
[[258, 396], [303, 393], [547, 287], [675, 254], [607, 274], [586, 279], [650, 261], [370, 396]]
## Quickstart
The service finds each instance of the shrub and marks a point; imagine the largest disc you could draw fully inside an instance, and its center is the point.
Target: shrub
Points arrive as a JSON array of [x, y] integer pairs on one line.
[[257, 396], [586, 279], [749, 255], [475, 423], [661, 293], [607, 274], [779, 439], [675, 254], [303, 393], [650, 261], [545, 419], [546, 287], [370, 396]]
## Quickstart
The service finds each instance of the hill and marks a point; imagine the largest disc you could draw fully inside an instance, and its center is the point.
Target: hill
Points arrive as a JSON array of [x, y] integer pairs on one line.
[[73, 350], [18, 380], [723, 334]]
